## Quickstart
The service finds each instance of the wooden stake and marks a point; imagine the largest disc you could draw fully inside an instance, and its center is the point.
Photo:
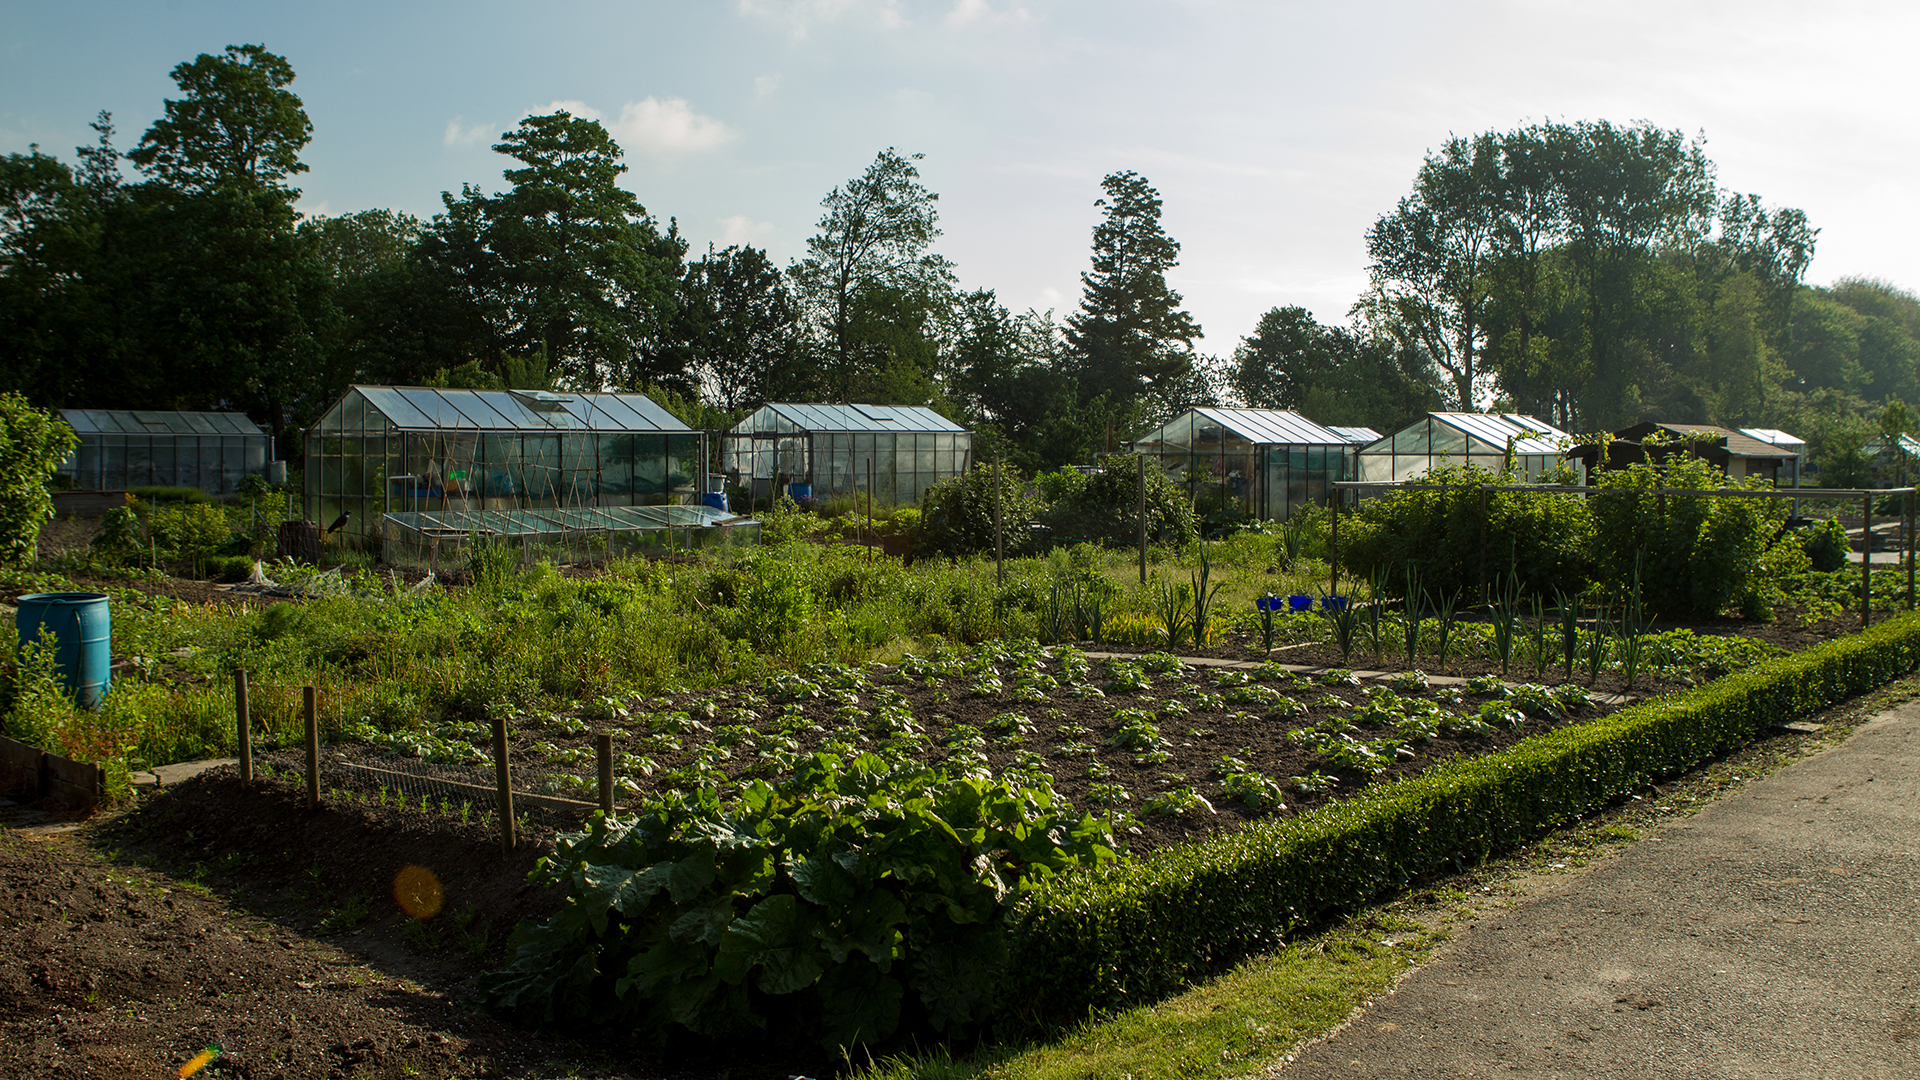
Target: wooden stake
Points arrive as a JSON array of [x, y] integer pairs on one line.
[[243, 727], [1143, 518], [503, 780], [603, 754], [312, 702], [999, 545]]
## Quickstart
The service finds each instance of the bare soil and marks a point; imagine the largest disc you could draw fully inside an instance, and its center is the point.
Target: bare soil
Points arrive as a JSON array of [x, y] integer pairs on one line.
[[231, 915]]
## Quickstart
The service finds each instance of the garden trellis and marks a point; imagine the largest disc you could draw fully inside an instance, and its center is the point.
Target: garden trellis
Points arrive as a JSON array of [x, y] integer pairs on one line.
[[1866, 497]]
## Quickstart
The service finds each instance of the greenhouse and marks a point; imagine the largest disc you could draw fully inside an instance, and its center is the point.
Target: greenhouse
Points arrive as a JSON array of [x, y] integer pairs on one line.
[[1266, 462], [212, 451], [1484, 440], [823, 450], [386, 450]]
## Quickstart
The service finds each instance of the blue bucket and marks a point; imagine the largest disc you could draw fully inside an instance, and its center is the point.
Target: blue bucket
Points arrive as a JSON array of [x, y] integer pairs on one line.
[[797, 492], [82, 625]]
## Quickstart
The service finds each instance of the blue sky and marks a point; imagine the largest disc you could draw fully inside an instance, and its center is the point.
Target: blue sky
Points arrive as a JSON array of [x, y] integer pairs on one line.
[[1276, 132]]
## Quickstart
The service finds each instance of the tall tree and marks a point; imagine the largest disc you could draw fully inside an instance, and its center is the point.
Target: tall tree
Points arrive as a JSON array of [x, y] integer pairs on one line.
[[1430, 258], [870, 265], [1131, 339], [565, 261], [738, 325], [237, 128], [1330, 374], [233, 311]]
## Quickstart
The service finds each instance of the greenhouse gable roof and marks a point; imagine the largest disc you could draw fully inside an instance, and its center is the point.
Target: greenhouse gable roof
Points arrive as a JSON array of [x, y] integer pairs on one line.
[[1529, 436], [812, 417], [140, 422], [1359, 436], [420, 408], [1272, 427]]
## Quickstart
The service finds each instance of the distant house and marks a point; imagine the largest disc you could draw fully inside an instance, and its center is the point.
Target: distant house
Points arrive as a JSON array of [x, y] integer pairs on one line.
[[1739, 454], [1490, 441]]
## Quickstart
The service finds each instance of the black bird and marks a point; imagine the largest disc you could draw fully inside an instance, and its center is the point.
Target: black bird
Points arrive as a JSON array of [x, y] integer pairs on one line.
[[338, 523]]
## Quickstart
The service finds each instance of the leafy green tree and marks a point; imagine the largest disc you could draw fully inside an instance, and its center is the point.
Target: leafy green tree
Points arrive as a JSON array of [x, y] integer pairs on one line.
[[1131, 340], [1330, 374], [230, 308], [237, 129], [739, 327], [870, 282], [33, 443], [1430, 257], [564, 261]]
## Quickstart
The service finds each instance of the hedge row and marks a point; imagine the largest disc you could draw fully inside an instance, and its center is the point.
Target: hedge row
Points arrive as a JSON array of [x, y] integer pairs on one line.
[[1129, 935]]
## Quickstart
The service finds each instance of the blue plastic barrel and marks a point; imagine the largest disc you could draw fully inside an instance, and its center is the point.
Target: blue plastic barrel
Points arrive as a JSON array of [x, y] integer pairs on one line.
[[715, 499], [82, 625], [797, 492]]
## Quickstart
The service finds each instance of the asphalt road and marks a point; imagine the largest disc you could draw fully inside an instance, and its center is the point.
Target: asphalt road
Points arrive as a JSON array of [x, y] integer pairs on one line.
[[1775, 933]]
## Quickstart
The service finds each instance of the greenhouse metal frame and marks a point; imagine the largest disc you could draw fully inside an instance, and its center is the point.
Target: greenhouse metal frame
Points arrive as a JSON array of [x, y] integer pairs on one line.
[[1484, 440], [1267, 462], [834, 449], [119, 449], [383, 450]]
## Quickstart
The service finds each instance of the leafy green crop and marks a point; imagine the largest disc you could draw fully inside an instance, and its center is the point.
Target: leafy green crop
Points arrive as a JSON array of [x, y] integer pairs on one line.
[[853, 898]]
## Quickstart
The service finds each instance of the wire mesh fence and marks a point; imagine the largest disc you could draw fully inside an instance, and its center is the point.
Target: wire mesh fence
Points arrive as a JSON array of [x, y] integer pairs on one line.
[[544, 798]]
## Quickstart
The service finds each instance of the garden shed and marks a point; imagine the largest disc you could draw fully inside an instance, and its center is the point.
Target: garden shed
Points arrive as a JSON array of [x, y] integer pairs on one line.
[[1485, 440], [829, 449], [1267, 462], [211, 451], [1737, 453], [439, 453]]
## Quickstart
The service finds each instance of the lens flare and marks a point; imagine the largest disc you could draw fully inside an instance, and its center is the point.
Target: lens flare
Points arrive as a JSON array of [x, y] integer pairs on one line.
[[417, 892]]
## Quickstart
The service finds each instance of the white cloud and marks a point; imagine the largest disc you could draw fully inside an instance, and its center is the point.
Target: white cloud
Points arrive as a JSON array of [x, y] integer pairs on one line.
[[968, 12], [799, 17], [652, 125], [766, 84], [741, 229], [574, 108], [459, 134], [667, 127]]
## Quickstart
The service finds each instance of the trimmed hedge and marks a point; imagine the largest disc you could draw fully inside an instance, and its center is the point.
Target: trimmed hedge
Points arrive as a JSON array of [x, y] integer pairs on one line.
[[1131, 934]]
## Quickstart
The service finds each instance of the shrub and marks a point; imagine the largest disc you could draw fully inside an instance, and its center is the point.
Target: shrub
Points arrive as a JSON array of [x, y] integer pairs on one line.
[[1544, 539], [956, 515], [1125, 935], [155, 493], [842, 903], [33, 443], [1695, 555], [1827, 545], [1106, 508]]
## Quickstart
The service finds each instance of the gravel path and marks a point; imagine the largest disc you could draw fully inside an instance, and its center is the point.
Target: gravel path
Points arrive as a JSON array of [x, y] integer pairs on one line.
[[1773, 934]]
